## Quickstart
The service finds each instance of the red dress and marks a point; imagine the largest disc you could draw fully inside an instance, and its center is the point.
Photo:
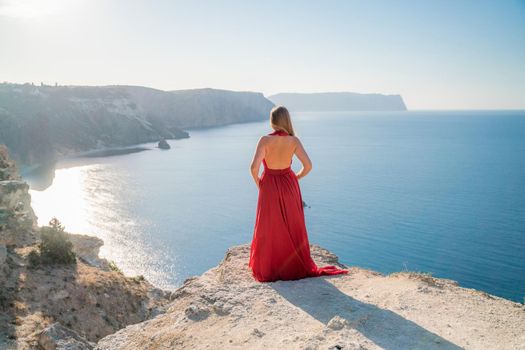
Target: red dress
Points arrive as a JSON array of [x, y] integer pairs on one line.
[[280, 249]]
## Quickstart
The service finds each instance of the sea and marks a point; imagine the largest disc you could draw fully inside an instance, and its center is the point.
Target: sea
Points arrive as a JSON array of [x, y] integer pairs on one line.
[[439, 192]]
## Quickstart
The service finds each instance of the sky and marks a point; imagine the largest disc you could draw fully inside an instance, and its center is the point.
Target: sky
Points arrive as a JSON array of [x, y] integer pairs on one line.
[[443, 54]]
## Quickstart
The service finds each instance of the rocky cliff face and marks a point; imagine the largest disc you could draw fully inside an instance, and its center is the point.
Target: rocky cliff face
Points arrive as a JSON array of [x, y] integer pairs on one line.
[[42, 123], [17, 219], [85, 301], [202, 107], [39, 124], [339, 101], [225, 308]]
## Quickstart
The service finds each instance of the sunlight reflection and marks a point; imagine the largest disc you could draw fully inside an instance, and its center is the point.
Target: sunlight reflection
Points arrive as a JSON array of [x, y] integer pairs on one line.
[[66, 196], [94, 200]]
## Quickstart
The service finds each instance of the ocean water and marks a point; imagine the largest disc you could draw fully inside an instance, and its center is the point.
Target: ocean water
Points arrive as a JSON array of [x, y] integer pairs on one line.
[[439, 192]]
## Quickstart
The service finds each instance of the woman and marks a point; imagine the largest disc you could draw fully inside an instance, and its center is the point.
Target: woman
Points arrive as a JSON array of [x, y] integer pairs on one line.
[[280, 249]]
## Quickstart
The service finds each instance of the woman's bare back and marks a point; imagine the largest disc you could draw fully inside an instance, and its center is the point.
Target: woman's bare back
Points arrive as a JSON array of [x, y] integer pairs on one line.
[[279, 151]]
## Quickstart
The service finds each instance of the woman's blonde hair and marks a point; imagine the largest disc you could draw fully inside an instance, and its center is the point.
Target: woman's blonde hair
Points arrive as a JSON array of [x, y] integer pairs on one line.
[[280, 120]]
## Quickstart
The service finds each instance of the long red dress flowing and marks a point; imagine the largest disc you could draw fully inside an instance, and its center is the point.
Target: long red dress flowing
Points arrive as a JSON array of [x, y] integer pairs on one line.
[[280, 249]]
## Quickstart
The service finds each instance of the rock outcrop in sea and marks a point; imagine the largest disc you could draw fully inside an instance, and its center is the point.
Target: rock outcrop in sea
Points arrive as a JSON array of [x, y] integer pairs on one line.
[[163, 144]]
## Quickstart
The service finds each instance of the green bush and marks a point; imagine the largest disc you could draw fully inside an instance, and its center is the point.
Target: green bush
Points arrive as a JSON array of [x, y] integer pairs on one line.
[[138, 278], [34, 258], [55, 246], [113, 267]]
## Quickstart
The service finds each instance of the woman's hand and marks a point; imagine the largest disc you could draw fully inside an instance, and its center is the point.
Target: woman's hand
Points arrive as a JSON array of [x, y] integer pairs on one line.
[[305, 160]]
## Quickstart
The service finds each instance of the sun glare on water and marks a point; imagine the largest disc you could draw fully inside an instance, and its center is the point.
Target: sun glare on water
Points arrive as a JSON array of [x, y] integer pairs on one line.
[[90, 199], [67, 197]]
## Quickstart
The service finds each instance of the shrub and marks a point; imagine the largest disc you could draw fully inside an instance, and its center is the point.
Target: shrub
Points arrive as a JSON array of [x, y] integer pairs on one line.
[[113, 267], [138, 278], [34, 258], [55, 246]]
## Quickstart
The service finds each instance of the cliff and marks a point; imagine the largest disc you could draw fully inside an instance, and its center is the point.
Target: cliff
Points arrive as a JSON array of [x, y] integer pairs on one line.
[[86, 300], [92, 305], [339, 101], [42, 123], [17, 219], [225, 308], [197, 108]]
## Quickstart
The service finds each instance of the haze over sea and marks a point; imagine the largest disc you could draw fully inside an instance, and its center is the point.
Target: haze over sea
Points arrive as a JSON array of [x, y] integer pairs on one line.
[[432, 191]]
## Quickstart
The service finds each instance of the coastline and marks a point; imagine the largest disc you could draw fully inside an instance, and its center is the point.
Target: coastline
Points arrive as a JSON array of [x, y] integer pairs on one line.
[[27, 170], [41, 176]]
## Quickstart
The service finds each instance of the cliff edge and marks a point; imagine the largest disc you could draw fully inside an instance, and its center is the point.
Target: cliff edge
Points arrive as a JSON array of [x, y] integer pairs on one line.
[[225, 308]]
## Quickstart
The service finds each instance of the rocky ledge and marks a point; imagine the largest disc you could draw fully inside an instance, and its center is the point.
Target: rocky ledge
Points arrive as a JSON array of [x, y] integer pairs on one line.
[[225, 308]]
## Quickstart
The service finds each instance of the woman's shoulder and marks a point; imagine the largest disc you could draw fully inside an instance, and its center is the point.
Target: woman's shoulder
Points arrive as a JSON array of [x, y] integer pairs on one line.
[[263, 140], [294, 138]]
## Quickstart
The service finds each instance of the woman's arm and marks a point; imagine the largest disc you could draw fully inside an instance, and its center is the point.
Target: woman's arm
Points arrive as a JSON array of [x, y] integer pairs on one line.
[[303, 157], [257, 159]]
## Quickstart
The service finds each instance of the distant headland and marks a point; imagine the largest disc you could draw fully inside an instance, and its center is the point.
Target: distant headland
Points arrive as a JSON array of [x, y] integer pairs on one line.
[[339, 101]]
